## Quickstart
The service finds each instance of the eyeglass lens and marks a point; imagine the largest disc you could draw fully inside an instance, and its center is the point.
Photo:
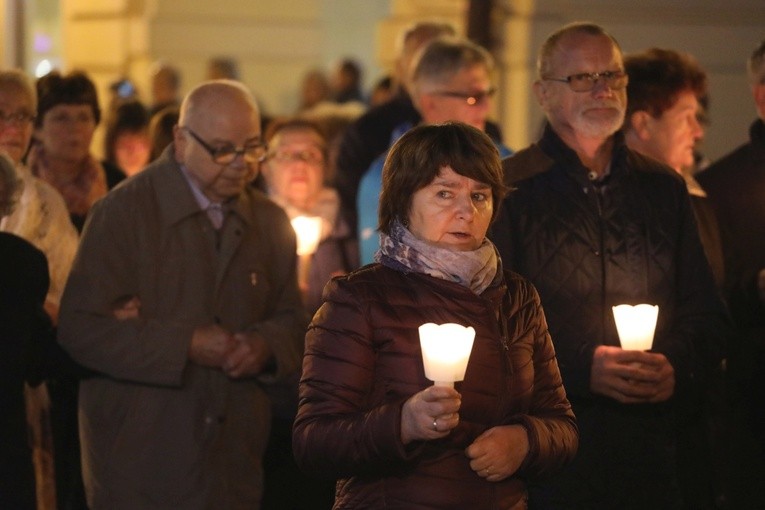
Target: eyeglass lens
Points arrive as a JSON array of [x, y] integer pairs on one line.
[[227, 154], [584, 82], [470, 99], [15, 118], [308, 156]]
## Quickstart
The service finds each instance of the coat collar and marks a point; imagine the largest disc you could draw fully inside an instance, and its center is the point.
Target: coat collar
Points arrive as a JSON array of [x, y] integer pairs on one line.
[[556, 149], [175, 198]]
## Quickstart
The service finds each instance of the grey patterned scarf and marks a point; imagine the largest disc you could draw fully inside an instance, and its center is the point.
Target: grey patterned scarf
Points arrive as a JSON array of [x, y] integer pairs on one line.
[[402, 251]]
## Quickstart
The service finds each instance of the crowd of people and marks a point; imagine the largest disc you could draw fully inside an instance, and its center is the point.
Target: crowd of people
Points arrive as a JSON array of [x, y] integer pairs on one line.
[[223, 311]]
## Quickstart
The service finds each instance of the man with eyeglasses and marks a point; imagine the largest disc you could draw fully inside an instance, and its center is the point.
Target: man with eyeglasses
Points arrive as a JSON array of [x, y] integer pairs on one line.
[[450, 80], [184, 298], [370, 135], [594, 224]]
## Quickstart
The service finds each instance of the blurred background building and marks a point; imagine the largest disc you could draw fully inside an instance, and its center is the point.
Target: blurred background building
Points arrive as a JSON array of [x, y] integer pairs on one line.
[[274, 42]]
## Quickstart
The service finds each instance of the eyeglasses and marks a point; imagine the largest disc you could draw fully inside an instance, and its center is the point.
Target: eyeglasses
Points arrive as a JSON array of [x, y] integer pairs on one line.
[[15, 119], [585, 82], [313, 157], [226, 154], [471, 99]]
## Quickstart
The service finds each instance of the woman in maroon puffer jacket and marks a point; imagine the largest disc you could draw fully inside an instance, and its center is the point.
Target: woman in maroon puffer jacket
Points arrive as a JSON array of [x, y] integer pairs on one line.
[[367, 415]]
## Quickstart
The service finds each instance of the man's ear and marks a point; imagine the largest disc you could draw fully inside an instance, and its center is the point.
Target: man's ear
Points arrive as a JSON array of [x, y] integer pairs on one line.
[[424, 104], [758, 91], [179, 143], [540, 92], [639, 123]]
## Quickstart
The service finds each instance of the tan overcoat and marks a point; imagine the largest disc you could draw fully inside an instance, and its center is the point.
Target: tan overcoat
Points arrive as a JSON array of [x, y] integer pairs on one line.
[[158, 431]]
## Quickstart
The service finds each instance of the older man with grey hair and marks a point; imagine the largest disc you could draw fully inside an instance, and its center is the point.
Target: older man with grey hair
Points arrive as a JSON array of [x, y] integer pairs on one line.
[[449, 80], [370, 135], [184, 299], [594, 224]]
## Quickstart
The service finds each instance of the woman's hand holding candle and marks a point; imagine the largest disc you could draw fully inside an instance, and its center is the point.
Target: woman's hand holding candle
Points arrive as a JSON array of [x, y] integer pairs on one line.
[[430, 414]]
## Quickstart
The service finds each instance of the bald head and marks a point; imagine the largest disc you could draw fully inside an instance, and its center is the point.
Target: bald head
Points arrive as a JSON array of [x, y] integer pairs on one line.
[[213, 98], [218, 138]]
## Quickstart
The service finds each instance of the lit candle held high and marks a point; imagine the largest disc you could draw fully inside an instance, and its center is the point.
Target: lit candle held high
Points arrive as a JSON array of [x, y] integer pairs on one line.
[[445, 351]]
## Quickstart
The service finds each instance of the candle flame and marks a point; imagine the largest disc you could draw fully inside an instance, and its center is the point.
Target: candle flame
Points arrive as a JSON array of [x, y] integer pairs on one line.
[[308, 231], [636, 325], [445, 351]]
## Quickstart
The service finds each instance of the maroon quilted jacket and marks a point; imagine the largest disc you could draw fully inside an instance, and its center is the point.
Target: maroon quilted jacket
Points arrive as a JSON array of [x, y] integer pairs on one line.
[[363, 361]]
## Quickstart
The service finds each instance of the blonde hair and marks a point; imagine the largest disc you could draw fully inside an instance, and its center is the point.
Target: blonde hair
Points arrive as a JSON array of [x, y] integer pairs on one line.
[[18, 79]]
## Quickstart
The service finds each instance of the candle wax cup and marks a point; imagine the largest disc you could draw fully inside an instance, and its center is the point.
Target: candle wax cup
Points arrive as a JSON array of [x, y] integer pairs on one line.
[[636, 325], [445, 351]]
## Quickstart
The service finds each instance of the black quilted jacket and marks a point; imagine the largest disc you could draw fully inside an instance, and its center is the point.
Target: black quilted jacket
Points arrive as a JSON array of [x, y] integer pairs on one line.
[[363, 360], [630, 239]]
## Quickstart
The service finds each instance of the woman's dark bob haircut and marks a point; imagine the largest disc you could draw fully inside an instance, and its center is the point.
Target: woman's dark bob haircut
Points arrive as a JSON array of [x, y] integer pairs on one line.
[[416, 159], [54, 89]]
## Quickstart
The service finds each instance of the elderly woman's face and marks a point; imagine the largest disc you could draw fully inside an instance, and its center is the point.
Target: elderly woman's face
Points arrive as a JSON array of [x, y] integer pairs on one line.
[[672, 136], [452, 212], [294, 169], [17, 112], [66, 132]]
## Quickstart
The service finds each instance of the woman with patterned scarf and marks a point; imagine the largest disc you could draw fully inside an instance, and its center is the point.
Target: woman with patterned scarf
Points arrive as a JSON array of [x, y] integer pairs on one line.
[[67, 116], [368, 416]]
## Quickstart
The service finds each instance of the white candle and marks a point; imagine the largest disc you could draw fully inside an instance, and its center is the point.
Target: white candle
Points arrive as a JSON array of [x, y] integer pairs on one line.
[[445, 351], [308, 231], [636, 325]]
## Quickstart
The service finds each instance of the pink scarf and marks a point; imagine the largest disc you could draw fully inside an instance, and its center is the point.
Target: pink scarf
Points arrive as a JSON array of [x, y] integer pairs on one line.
[[80, 192]]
